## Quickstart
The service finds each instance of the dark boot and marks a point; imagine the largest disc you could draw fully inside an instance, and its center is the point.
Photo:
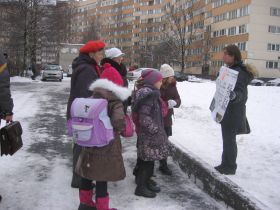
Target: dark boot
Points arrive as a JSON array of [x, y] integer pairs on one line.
[[225, 169], [86, 202], [164, 168], [0, 198], [151, 185], [142, 189]]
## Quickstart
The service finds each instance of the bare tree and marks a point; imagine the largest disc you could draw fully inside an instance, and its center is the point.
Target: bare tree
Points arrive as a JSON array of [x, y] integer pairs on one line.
[[180, 27], [29, 23]]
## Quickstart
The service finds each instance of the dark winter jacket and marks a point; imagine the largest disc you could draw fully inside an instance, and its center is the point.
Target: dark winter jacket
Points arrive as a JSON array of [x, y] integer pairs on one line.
[[106, 163], [85, 71], [235, 115], [6, 101], [170, 92], [152, 142], [119, 67]]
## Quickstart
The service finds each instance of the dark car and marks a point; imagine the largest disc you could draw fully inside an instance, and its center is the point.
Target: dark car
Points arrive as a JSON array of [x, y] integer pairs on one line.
[[180, 76]]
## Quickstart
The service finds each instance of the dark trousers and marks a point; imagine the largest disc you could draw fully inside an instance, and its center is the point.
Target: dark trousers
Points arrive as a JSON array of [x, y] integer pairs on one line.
[[101, 187], [229, 147], [145, 171]]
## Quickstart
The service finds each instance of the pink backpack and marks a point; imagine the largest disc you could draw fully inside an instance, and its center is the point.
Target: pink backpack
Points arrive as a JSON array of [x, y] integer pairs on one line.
[[129, 128], [90, 124]]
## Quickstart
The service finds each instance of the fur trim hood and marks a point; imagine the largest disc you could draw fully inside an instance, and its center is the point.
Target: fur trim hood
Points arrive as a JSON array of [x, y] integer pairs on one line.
[[122, 93]]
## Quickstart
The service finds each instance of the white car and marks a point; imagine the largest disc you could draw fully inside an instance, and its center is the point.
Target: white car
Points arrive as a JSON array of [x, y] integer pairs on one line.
[[133, 75], [53, 72], [192, 78], [257, 82], [273, 82]]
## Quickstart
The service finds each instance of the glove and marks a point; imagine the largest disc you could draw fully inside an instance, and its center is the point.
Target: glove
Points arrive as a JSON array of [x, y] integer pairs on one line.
[[171, 103], [232, 95]]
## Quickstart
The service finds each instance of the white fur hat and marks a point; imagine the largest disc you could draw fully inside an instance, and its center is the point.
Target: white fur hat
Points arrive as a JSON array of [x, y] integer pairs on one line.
[[166, 71]]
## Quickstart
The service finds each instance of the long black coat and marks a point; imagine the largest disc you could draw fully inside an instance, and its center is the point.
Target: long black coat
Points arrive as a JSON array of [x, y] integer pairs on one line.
[[235, 115], [6, 101], [84, 73]]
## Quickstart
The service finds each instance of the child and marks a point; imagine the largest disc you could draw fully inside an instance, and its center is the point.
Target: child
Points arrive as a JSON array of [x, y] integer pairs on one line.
[[152, 143], [169, 94], [104, 164]]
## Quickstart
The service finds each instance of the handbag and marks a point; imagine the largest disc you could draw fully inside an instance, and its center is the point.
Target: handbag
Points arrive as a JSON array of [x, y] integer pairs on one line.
[[129, 128], [11, 140]]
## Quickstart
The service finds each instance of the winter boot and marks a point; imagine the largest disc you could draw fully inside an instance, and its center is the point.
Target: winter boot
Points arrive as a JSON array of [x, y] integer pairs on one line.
[[86, 202], [151, 185], [225, 169], [0, 198], [142, 187], [103, 203], [164, 168]]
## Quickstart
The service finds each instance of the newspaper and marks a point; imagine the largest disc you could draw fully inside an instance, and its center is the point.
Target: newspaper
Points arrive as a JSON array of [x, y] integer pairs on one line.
[[225, 83]]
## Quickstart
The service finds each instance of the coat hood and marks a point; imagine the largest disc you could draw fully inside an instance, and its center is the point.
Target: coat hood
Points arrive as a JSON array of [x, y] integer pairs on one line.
[[142, 94], [121, 93], [83, 59], [252, 69]]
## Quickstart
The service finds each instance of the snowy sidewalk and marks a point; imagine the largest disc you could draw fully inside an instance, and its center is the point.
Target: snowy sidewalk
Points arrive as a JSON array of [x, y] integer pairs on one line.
[[38, 177]]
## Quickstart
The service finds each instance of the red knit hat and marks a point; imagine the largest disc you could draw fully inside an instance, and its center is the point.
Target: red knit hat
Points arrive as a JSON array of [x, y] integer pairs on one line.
[[110, 73], [92, 46]]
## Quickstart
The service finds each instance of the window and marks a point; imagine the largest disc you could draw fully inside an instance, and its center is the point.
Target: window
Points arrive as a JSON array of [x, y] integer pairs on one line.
[[223, 32], [242, 29], [274, 11], [232, 31], [232, 14], [273, 47], [272, 65], [244, 11], [274, 29], [242, 46]]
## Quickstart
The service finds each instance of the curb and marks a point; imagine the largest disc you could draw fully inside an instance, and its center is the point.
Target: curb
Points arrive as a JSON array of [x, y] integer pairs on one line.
[[216, 185]]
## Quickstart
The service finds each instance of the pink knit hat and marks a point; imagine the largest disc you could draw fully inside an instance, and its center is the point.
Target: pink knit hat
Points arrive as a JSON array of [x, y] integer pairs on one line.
[[151, 76]]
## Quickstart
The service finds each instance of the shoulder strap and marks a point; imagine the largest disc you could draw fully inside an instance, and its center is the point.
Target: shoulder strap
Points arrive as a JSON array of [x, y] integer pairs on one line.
[[3, 67]]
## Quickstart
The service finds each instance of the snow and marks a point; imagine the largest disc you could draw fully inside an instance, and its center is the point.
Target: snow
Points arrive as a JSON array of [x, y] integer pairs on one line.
[[38, 176], [258, 153]]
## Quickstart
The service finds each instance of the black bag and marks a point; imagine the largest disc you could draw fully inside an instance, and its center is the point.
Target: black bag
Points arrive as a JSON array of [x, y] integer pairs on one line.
[[10, 137]]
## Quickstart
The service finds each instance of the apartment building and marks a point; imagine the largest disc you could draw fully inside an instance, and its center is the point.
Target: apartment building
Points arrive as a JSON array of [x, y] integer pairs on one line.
[[253, 25], [137, 27]]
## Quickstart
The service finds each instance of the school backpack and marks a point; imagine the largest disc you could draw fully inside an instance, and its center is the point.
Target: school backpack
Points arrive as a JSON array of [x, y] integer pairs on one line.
[[90, 124]]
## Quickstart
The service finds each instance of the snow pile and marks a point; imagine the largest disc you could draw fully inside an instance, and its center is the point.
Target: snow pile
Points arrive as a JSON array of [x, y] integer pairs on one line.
[[258, 153]]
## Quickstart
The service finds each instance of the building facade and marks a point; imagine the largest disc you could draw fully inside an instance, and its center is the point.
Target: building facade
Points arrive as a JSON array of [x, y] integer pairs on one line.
[[142, 29]]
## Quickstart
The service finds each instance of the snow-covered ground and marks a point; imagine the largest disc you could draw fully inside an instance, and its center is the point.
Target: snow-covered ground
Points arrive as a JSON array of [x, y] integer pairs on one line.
[[258, 153], [38, 176], [32, 178]]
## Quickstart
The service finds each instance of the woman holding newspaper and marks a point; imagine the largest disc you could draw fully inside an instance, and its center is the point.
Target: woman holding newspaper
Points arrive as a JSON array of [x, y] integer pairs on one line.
[[234, 121]]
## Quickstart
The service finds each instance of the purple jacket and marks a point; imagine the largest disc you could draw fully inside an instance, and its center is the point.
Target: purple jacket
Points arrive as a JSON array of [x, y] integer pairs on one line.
[[152, 142]]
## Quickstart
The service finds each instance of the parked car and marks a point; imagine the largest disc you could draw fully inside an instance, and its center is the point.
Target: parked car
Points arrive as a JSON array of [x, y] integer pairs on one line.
[[69, 71], [192, 78], [52, 71], [273, 82], [133, 75], [179, 76], [257, 82]]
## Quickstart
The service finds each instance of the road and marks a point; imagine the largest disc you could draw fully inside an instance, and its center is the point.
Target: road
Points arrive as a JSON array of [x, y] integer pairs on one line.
[[38, 176]]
